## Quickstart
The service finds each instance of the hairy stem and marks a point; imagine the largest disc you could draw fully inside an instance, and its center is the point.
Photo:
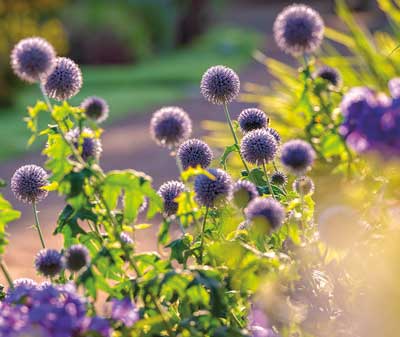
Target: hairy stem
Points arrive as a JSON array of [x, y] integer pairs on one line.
[[203, 227], [6, 273], [37, 224]]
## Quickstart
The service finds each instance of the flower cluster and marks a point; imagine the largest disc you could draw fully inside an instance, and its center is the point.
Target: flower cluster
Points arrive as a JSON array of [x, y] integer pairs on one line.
[[372, 120]]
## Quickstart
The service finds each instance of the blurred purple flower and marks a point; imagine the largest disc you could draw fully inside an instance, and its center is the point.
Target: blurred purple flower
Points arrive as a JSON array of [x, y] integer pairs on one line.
[[124, 311]]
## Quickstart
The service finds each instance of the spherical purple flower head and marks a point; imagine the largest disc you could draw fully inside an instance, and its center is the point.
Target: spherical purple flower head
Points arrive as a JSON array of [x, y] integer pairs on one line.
[[125, 238], [64, 81], [32, 59], [210, 192], [27, 184], [258, 147], [124, 311], [49, 262], [329, 74], [298, 29], [297, 155], [76, 257], [303, 185], [101, 326], [22, 288], [220, 85], [267, 212], [95, 108], [243, 192], [194, 152], [169, 191], [90, 145], [170, 126], [276, 135], [252, 119], [279, 178]]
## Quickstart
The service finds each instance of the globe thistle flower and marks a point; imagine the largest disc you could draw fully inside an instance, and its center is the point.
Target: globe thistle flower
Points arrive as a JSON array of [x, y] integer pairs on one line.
[[298, 29], [209, 192], [64, 81], [329, 74], [220, 85], [95, 108], [243, 192], [265, 211], [21, 289], [124, 311], [125, 238], [76, 257], [298, 156], [49, 262], [194, 152], [170, 126], [275, 134], [27, 184], [90, 145], [303, 185], [258, 147], [252, 119], [279, 178], [32, 59], [169, 191]]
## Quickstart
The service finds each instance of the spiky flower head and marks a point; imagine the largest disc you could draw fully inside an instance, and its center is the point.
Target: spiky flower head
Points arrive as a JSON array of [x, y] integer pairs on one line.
[[194, 152], [252, 119], [32, 59], [22, 288], [243, 192], [258, 147], [212, 191], [298, 29], [275, 134], [49, 262], [170, 126], [64, 81], [169, 191], [329, 74], [220, 85], [87, 143], [265, 211], [279, 178], [27, 183], [125, 238], [303, 185], [95, 108], [297, 155], [76, 257]]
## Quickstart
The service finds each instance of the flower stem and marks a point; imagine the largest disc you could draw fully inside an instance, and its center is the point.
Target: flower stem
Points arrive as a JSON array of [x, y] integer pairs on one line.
[[6, 273], [229, 120], [37, 224], [203, 227], [268, 182]]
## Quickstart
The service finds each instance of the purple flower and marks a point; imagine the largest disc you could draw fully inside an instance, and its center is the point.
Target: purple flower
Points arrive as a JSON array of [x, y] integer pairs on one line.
[[194, 152], [13, 319], [27, 183], [297, 155], [76, 257], [101, 326], [90, 146], [258, 147], [169, 191], [22, 289], [252, 119], [49, 262], [298, 29], [329, 74], [278, 178], [243, 192], [95, 108], [275, 134], [267, 211], [124, 311], [220, 85], [394, 87]]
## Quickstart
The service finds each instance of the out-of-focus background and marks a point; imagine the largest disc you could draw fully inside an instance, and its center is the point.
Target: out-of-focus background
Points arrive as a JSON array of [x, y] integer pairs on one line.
[[138, 55]]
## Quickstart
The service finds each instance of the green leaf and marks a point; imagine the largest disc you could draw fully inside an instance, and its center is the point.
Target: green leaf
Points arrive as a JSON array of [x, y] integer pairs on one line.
[[228, 150], [7, 214]]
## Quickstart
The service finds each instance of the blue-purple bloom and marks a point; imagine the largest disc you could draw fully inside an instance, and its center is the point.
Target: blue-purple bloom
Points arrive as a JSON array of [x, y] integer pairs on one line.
[[266, 210], [209, 192], [32, 59], [124, 311], [49, 262], [95, 108], [76, 257], [22, 288], [170, 126], [258, 147], [220, 85], [297, 155], [298, 29], [27, 184], [169, 191], [125, 238], [64, 81], [194, 152], [90, 147], [252, 119], [278, 178], [329, 74], [275, 134], [243, 192]]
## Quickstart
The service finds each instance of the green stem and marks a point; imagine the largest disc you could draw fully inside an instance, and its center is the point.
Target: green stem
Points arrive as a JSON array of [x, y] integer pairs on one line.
[[229, 120], [268, 182], [37, 224], [6, 273], [203, 228]]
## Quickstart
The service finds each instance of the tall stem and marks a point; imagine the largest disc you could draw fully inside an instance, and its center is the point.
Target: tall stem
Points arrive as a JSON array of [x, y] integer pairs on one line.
[[203, 227], [268, 182], [229, 120], [37, 224], [6, 273]]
